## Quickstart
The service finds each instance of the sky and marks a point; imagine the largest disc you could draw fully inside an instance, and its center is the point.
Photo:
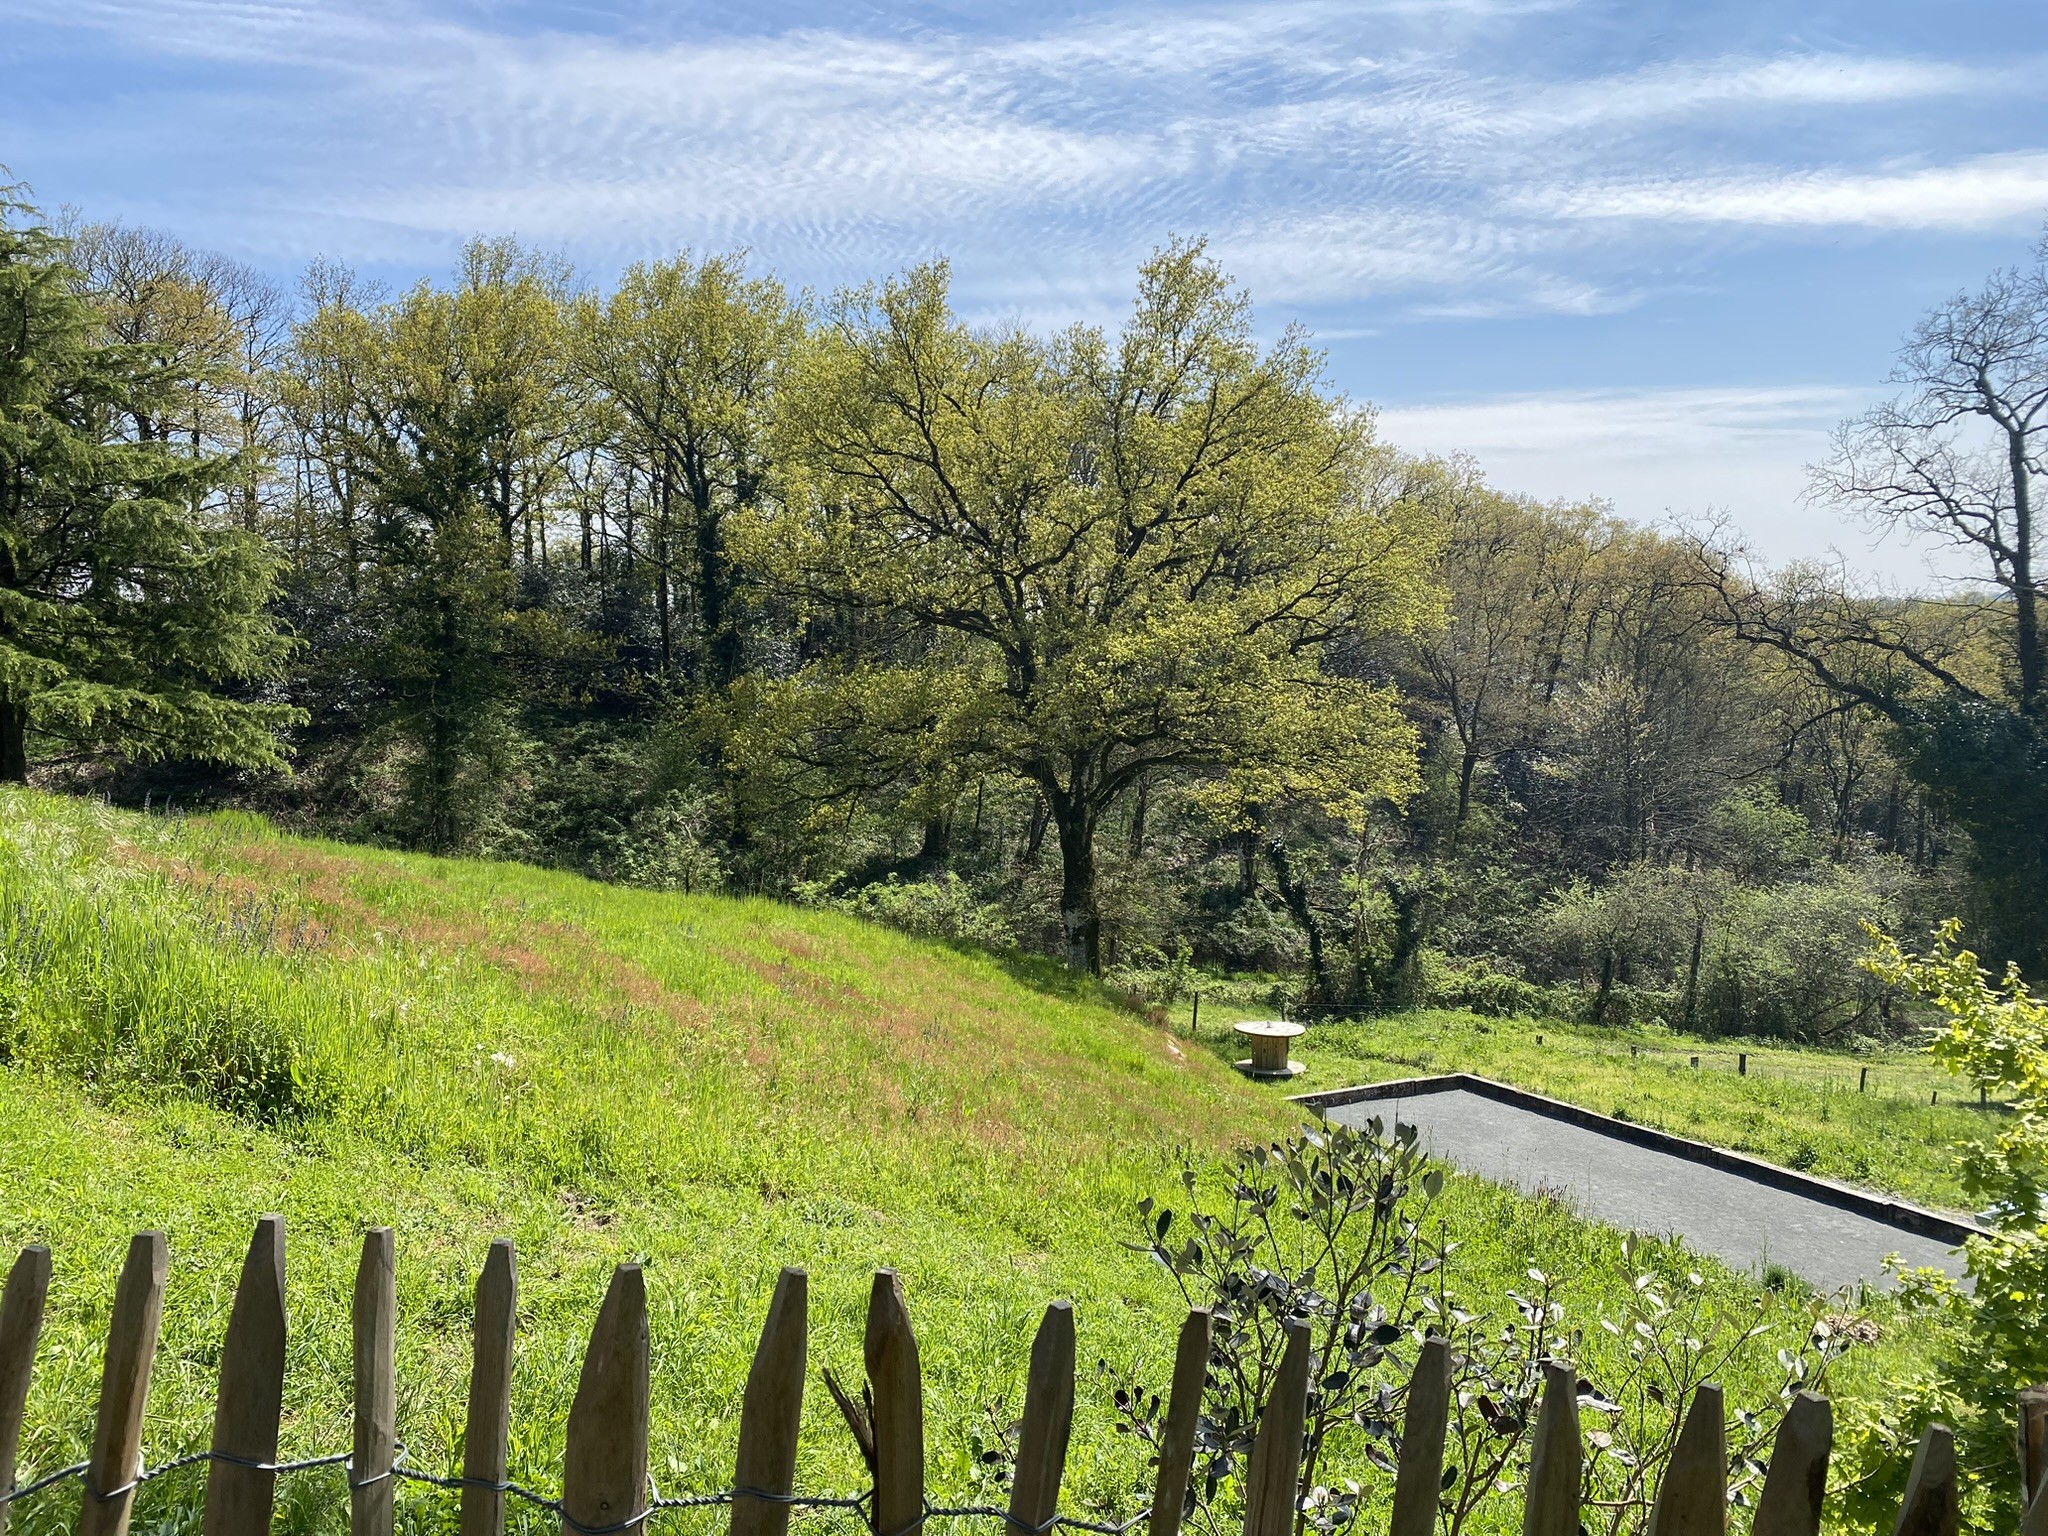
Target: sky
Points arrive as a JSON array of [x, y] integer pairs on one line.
[[1644, 252]]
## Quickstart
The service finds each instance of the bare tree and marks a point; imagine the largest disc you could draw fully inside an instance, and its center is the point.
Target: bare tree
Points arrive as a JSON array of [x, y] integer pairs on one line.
[[1956, 453]]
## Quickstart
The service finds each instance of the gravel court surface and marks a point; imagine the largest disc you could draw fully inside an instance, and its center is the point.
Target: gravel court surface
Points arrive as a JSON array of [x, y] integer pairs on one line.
[[1738, 1220]]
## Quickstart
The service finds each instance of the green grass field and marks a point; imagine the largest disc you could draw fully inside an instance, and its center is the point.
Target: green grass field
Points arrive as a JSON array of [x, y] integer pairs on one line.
[[203, 1021]]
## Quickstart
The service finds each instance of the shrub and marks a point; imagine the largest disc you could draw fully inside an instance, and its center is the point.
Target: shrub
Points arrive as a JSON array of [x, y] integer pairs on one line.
[[1340, 1229], [945, 908]]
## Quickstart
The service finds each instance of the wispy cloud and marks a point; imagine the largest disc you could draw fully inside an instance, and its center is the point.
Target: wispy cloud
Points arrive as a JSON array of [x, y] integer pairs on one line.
[[1986, 191]]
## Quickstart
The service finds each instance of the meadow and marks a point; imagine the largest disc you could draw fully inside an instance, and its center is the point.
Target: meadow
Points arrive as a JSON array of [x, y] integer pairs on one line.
[[203, 1020]]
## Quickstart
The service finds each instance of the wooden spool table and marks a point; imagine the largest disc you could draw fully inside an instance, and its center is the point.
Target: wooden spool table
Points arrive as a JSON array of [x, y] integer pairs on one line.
[[1269, 1039]]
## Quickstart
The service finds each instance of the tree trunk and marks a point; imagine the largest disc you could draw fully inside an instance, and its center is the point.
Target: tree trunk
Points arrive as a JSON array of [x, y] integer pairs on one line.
[[1606, 989], [13, 742], [1692, 972], [1467, 764], [2025, 610], [1295, 894], [1080, 918]]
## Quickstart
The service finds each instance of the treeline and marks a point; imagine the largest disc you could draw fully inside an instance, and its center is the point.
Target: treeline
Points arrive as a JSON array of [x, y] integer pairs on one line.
[[1138, 648]]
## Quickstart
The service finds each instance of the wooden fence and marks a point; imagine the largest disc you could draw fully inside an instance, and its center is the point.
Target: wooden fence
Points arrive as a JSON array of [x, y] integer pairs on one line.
[[605, 1486]]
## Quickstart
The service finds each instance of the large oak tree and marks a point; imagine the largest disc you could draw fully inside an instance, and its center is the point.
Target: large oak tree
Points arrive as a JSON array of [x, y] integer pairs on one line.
[[1141, 546]]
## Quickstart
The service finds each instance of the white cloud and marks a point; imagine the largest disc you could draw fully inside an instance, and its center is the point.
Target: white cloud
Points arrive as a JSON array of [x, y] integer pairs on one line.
[[1985, 192], [1658, 454]]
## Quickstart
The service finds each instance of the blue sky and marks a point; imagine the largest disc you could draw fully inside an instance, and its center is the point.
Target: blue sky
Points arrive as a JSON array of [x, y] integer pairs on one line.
[[1643, 251]]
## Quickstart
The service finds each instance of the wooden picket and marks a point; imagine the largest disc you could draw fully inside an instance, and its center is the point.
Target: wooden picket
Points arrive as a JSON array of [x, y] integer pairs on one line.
[[890, 1352], [1048, 1422], [1796, 1482], [772, 1412], [371, 1506], [124, 1387], [1183, 1414], [605, 1485], [604, 1468], [487, 1437], [240, 1488], [21, 1324], [1418, 1477]]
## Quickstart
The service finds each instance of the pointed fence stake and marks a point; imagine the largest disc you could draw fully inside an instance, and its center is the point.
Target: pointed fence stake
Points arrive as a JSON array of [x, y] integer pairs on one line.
[[1272, 1481], [376, 1382], [239, 1496], [2033, 1450], [485, 1441], [1183, 1412], [1418, 1479], [890, 1353], [604, 1470], [21, 1325], [124, 1387], [1048, 1423], [1929, 1507], [1692, 1500], [1796, 1485], [772, 1411], [1552, 1504]]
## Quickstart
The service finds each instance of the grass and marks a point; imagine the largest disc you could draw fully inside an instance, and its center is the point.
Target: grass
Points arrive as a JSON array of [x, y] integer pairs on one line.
[[1797, 1107], [203, 1021]]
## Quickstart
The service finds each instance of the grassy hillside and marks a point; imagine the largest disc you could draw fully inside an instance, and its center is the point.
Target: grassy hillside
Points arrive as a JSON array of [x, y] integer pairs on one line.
[[203, 1020]]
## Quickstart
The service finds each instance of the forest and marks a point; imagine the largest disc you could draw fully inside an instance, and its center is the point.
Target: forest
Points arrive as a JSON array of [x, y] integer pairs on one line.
[[1139, 649]]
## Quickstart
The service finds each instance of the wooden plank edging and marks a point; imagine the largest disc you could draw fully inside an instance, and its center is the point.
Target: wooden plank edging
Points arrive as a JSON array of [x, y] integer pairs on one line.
[[1879, 1208]]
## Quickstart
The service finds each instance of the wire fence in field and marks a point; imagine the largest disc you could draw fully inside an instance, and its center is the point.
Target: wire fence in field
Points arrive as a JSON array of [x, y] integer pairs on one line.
[[1909, 1078]]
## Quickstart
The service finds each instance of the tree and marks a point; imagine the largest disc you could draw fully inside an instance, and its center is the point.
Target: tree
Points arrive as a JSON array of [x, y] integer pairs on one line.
[[437, 411], [1962, 682], [687, 356], [1147, 543], [125, 607]]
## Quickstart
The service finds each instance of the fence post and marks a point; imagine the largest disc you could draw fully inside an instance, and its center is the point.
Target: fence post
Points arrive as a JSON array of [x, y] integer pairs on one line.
[[1797, 1483], [1183, 1411], [490, 1393], [1862, 1079], [239, 1496], [21, 1325], [1418, 1480], [772, 1411], [1692, 1499], [604, 1467], [1048, 1422], [1551, 1507], [370, 1508], [1742, 1063], [1929, 1507], [2031, 1436], [124, 1387], [1273, 1478], [890, 1353]]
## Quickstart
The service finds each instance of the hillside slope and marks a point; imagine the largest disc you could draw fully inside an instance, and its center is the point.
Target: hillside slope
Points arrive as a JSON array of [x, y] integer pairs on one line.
[[205, 1020], [202, 1020]]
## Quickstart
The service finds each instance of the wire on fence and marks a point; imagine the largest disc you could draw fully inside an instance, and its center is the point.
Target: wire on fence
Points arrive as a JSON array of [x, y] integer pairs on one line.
[[656, 1503]]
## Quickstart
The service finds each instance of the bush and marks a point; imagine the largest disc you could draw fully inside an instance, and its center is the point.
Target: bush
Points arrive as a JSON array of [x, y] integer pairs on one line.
[[1342, 1230], [945, 908], [1479, 988]]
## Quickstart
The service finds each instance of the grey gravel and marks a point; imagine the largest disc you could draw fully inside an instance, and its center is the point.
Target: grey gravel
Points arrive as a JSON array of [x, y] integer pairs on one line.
[[1743, 1223]]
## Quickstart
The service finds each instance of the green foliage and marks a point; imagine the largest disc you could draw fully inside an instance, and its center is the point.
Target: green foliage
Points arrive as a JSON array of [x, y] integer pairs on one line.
[[1994, 1035], [1342, 1230], [1136, 549], [944, 908], [129, 615]]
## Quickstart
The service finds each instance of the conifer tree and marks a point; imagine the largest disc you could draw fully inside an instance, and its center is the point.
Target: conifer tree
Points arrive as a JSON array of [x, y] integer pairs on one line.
[[125, 610]]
